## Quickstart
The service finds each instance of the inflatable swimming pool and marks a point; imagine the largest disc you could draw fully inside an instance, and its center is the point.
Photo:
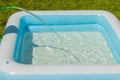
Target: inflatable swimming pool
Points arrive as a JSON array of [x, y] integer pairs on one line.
[[71, 23]]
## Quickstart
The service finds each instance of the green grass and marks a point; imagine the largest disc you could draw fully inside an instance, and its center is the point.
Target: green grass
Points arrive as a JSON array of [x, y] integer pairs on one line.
[[109, 5]]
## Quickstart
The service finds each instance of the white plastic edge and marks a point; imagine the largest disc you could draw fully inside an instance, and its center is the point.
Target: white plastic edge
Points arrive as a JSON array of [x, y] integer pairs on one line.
[[8, 44]]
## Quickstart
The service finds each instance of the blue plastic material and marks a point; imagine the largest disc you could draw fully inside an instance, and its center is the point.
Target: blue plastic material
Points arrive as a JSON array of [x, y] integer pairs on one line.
[[11, 29], [61, 77], [66, 23]]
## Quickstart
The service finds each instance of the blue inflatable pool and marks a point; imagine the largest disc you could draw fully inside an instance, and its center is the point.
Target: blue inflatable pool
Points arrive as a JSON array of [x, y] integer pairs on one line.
[[98, 29]]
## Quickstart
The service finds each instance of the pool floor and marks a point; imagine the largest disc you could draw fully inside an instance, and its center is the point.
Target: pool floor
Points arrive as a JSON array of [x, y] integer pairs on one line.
[[74, 47]]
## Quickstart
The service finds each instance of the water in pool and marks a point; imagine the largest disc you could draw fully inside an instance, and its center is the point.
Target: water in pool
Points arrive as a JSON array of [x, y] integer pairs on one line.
[[72, 48]]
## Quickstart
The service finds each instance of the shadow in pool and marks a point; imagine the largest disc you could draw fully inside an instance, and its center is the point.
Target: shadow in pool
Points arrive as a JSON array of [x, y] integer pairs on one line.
[[27, 48]]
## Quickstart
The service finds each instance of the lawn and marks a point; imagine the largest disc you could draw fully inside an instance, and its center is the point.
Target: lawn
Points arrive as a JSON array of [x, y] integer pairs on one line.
[[109, 5]]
